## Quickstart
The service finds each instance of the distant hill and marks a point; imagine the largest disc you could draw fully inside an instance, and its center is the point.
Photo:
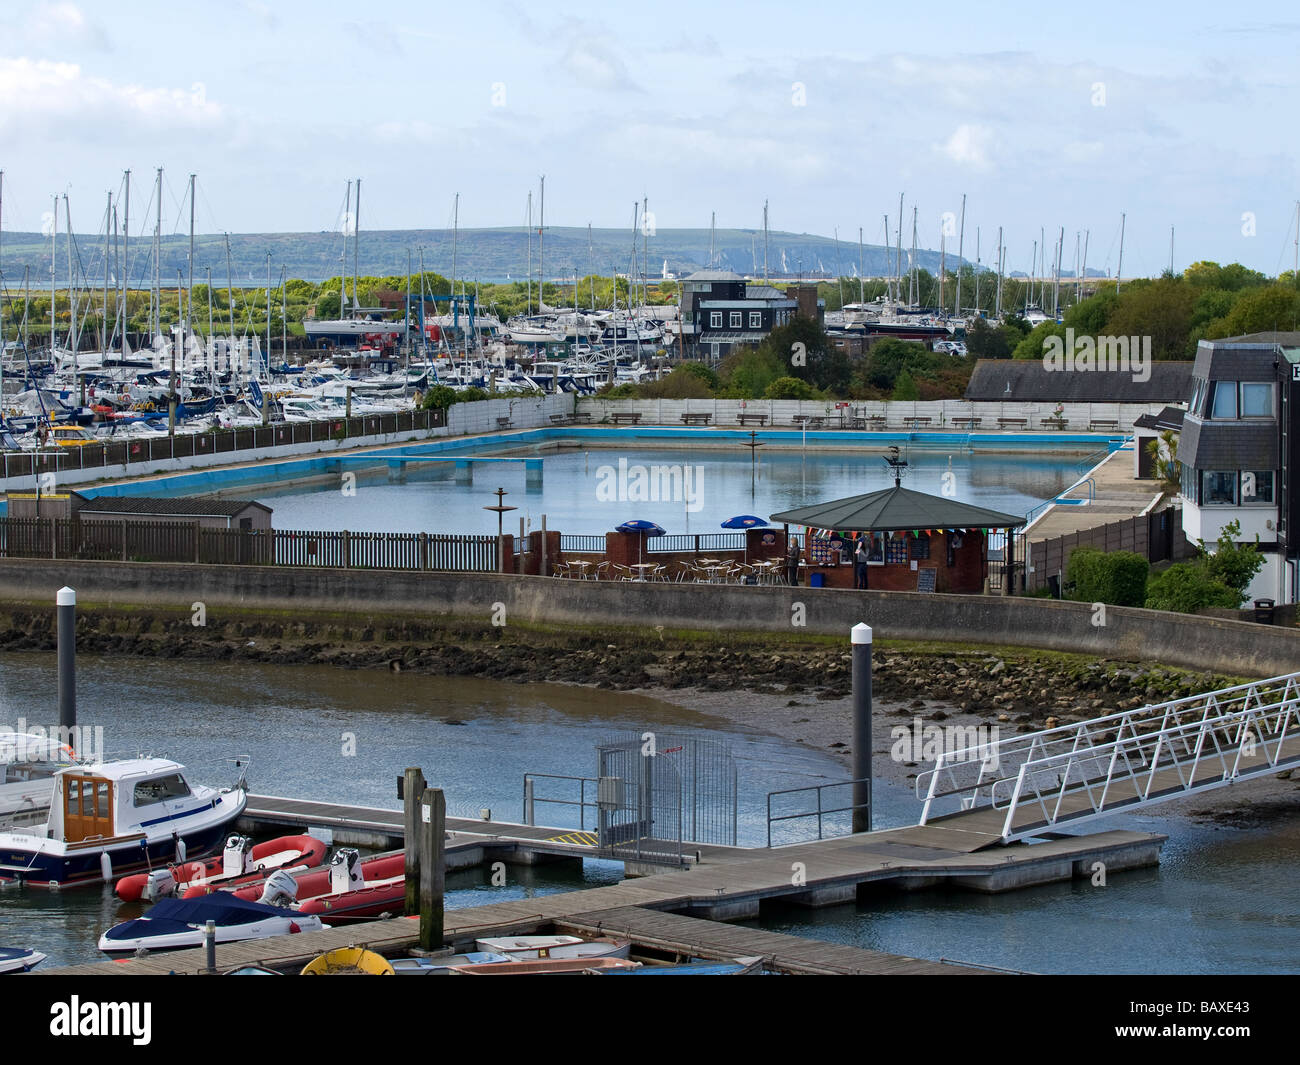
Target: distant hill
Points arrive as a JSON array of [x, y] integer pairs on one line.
[[482, 254]]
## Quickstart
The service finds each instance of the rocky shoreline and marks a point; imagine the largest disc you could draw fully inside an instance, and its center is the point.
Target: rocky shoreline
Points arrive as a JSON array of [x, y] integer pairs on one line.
[[790, 686]]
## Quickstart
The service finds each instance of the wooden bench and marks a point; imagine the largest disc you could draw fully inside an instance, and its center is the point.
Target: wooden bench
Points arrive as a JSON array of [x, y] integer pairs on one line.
[[1054, 423], [559, 419], [809, 421], [878, 421], [627, 417], [967, 423], [1103, 423], [696, 419], [1019, 423], [503, 423], [745, 419], [917, 422], [582, 416]]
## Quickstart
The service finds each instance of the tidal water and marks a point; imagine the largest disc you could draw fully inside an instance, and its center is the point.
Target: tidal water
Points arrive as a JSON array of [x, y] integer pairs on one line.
[[590, 492], [1223, 899]]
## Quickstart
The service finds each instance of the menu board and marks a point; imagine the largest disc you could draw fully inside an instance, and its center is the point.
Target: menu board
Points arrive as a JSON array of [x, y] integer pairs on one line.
[[819, 551], [925, 579]]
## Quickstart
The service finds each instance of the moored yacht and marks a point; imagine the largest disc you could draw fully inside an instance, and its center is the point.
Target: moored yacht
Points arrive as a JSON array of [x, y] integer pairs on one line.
[[111, 818]]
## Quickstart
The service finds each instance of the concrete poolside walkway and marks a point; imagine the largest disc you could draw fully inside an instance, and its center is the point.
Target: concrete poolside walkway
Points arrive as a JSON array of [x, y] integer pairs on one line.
[[1114, 495]]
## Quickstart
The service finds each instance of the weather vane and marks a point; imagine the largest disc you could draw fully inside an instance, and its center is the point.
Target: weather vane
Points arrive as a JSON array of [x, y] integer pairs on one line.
[[896, 465]]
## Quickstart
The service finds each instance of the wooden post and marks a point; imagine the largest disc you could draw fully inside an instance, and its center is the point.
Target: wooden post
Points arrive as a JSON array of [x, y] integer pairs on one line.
[[410, 787], [432, 833]]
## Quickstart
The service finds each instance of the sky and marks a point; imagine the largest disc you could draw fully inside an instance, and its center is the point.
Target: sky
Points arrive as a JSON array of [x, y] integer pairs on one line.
[[1043, 116]]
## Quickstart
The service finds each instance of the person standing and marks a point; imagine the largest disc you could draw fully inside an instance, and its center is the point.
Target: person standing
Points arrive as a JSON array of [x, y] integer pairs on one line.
[[792, 561], [860, 564]]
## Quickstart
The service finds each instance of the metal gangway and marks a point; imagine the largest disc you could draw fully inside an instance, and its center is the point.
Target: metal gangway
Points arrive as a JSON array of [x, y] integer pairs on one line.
[[1036, 783]]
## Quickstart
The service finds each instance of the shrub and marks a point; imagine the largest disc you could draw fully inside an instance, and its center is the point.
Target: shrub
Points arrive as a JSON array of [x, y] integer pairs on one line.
[[1118, 578], [1186, 587], [789, 388]]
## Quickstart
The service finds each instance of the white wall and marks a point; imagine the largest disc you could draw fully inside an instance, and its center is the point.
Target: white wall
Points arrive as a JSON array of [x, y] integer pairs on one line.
[[943, 414]]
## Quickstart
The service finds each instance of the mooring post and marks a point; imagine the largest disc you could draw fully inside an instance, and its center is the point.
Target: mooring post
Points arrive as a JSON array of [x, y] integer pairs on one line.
[[432, 832], [861, 637], [410, 786], [210, 945], [67, 636]]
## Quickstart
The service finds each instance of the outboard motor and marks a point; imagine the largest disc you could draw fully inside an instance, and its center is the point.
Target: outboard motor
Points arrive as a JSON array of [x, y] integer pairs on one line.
[[237, 858], [280, 889], [160, 884], [345, 871]]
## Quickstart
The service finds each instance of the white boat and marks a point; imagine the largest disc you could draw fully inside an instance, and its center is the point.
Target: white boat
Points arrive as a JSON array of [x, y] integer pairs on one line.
[[176, 924], [19, 959], [529, 948], [28, 763], [112, 818]]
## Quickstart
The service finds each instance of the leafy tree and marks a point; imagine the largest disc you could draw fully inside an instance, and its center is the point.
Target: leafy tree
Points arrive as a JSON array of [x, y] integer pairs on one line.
[[819, 363], [905, 387], [439, 397], [1089, 317], [1261, 310], [1115, 577], [790, 388], [745, 374], [704, 373], [682, 383], [1161, 310], [1032, 346], [1211, 579], [984, 341]]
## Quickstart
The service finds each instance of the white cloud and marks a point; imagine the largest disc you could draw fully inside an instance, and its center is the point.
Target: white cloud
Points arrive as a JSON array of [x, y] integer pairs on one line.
[[970, 145], [64, 24], [39, 92], [593, 62]]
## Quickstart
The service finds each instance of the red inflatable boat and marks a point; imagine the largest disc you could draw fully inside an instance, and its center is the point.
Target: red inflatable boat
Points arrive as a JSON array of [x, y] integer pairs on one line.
[[241, 862]]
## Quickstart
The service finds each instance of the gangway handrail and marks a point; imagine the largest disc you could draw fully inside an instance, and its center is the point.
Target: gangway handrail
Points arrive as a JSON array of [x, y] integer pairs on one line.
[[1237, 721]]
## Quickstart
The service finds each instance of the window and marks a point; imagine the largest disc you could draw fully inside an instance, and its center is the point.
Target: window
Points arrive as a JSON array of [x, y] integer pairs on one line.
[[1223, 399], [755, 319], [1256, 400], [160, 789], [715, 319], [1256, 487], [876, 555], [1198, 392], [920, 547], [1218, 487], [736, 317]]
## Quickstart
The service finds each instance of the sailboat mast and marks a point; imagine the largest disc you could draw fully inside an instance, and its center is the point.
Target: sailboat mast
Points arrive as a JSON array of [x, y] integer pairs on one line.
[[157, 258], [861, 294], [126, 261], [54, 252], [961, 242], [356, 257], [541, 230], [343, 261], [1083, 268], [189, 296], [1119, 268], [997, 313], [528, 282], [978, 309], [713, 224], [103, 324], [765, 240], [898, 260]]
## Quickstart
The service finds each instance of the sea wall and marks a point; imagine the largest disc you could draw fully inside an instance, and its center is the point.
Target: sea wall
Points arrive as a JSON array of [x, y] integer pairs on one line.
[[1202, 643]]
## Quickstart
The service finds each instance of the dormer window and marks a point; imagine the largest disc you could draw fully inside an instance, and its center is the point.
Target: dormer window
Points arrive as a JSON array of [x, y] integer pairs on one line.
[[1230, 400], [1223, 400]]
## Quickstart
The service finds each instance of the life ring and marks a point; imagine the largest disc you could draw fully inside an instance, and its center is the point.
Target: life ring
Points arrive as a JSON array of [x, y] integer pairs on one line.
[[125, 397]]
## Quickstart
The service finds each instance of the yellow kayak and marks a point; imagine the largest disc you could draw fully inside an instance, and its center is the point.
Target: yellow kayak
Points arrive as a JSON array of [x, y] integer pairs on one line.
[[348, 961]]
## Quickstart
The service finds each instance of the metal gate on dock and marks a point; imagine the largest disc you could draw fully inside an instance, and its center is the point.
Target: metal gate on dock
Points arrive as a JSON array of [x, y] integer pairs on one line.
[[655, 790]]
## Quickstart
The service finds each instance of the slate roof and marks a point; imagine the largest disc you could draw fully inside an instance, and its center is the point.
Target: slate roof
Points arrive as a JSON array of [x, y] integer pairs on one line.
[[191, 506], [1029, 381], [895, 508], [1169, 418]]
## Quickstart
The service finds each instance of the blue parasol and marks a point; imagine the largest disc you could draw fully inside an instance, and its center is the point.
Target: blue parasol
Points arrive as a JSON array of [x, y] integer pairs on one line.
[[649, 528], [744, 521]]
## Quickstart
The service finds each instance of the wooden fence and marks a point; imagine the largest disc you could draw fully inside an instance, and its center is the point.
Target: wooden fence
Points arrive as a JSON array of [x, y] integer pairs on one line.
[[1157, 537], [124, 540], [218, 442]]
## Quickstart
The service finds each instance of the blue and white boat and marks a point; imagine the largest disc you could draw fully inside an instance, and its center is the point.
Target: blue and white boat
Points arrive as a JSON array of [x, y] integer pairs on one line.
[[112, 818], [19, 959], [175, 924]]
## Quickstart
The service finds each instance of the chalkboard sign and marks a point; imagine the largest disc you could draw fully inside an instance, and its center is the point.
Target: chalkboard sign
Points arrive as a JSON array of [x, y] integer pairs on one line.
[[925, 579]]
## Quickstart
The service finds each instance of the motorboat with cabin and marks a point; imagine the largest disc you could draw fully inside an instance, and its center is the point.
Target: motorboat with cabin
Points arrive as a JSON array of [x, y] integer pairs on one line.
[[111, 818]]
